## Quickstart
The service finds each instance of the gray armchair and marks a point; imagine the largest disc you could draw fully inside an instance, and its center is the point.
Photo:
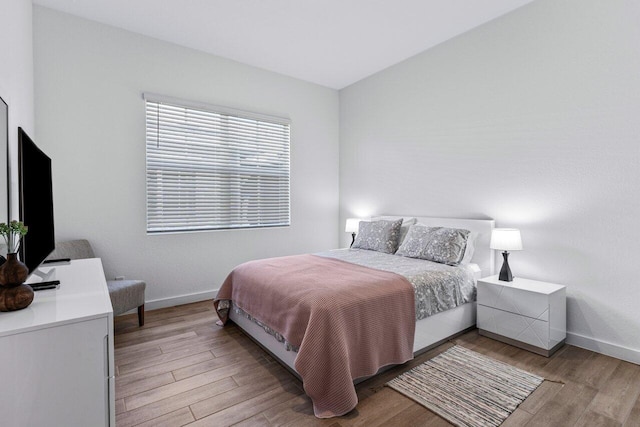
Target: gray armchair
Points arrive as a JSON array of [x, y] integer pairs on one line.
[[125, 294]]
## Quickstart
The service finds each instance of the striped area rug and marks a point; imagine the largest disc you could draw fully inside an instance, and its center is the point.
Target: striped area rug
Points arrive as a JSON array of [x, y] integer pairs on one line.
[[467, 388]]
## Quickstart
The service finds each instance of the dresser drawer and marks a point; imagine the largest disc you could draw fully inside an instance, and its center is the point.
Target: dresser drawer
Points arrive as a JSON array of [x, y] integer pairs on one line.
[[521, 328], [514, 300]]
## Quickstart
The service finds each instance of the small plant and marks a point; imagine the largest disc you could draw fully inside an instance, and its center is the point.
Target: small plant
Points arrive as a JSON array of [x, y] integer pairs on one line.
[[12, 234]]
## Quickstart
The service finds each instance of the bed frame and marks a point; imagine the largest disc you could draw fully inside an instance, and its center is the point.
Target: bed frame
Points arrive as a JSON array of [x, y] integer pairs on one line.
[[431, 331]]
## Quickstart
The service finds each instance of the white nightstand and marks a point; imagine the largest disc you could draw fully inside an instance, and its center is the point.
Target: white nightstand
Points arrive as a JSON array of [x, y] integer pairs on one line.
[[524, 313]]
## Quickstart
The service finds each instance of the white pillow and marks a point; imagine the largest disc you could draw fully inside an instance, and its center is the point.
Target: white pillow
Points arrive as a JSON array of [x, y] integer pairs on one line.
[[471, 247]]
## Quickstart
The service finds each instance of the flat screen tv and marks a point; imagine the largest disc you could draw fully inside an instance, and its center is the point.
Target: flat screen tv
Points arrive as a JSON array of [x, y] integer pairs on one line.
[[35, 201]]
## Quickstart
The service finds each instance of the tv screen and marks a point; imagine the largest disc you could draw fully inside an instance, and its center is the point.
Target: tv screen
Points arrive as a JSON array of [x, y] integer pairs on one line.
[[36, 202]]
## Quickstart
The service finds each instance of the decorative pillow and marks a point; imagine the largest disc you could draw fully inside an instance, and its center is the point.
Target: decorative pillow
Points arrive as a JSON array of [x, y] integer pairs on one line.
[[438, 244], [406, 223], [382, 236]]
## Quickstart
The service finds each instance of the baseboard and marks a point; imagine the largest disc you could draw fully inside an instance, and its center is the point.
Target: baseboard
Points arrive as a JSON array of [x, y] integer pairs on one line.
[[606, 348], [179, 300]]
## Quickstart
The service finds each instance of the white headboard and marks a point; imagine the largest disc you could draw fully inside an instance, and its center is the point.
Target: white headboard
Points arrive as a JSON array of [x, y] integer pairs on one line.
[[483, 256]]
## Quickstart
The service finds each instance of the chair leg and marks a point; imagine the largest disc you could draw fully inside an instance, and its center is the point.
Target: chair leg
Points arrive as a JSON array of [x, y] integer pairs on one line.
[[141, 315]]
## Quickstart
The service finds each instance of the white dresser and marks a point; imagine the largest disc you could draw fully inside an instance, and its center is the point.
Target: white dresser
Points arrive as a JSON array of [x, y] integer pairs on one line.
[[56, 356], [525, 313]]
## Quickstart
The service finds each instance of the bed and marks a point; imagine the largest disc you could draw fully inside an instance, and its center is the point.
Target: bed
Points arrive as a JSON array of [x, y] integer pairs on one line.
[[431, 328]]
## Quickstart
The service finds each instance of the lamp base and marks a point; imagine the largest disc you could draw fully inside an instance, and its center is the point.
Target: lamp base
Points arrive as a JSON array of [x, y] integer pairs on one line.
[[353, 239], [505, 271]]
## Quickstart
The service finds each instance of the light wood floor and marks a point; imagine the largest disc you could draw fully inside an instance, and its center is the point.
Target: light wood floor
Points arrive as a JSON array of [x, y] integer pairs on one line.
[[181, 369]]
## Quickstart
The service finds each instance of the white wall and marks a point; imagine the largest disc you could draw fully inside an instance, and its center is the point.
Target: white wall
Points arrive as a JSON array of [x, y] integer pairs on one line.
[[16, 78], [534, 120], [89, 79]]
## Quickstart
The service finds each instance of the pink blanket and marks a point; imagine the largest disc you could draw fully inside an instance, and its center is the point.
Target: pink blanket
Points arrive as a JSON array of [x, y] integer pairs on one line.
[[347, 320]]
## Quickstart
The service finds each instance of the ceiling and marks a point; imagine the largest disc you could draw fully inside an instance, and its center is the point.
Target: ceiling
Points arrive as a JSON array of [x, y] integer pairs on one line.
[[333, 43]]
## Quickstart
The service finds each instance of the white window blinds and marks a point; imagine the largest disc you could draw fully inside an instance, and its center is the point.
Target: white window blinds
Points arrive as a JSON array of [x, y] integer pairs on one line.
[[214, 168]]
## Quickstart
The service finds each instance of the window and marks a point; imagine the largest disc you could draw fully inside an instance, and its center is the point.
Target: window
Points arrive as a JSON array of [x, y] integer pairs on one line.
[[214, 168]]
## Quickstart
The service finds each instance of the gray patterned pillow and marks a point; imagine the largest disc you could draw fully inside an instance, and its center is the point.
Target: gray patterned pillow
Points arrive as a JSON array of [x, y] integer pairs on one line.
[[382, 236], [438, 244], [404, 229]]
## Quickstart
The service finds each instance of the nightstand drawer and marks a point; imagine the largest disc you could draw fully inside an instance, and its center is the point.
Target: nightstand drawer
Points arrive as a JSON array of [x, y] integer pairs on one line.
[[526, 313], [510, 325], [514, 300]]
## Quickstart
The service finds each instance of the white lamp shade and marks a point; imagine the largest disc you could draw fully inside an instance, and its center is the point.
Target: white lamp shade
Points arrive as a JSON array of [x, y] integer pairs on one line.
[[352, 225], [506, 239]]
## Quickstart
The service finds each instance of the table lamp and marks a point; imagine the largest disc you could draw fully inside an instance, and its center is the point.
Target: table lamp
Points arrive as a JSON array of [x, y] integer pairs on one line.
[[506, 239], [352, 227]]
